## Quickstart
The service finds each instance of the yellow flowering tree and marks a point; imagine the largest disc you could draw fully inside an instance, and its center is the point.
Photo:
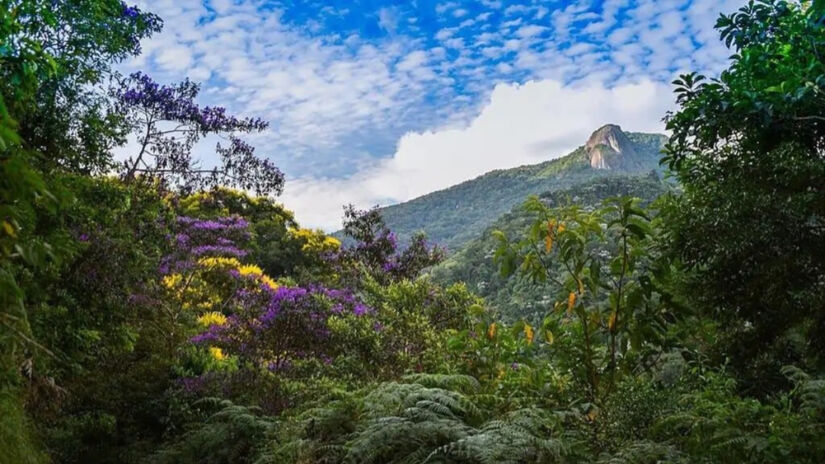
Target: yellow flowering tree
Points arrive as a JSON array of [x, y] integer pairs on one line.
[[205, 273], [315, 241]]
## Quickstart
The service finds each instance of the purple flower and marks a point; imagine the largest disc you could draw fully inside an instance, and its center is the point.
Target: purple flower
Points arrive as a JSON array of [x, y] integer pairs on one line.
[[280, 365], [389, 266], [219, 250], [209, 336], [360, 309], [224, 223], [377, 326], [129, 11], [393, 239]]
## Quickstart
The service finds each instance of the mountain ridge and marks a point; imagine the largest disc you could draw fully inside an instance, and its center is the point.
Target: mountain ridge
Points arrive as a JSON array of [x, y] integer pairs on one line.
[[454, 215]]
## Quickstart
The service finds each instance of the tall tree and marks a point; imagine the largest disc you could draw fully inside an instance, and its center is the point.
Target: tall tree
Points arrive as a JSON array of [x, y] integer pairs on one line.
[[169, 123], [52, 54], [748, 147]]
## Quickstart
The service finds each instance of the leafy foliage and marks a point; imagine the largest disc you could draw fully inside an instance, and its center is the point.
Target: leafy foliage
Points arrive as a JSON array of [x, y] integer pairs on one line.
[[747, 147], [612, 313], [515, 297], [376, 250], [150, 322], [45, 105], [426, 418], [230, 435]]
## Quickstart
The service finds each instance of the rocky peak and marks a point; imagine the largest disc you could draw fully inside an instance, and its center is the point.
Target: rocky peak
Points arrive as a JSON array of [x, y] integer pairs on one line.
[[609, 147]]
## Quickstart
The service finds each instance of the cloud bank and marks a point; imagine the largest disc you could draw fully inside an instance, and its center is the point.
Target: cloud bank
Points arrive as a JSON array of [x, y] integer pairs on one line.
[[342, 85], [521, 124]]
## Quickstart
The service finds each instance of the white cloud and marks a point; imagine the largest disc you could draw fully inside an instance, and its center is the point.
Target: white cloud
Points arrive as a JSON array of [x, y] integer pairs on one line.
[[388, 19], [176, 58], [520, 124], [529, 31]]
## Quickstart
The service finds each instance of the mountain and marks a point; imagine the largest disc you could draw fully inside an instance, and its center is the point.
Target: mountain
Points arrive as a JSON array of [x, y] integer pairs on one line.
[[453, 216], [610, 148], [515, 297]]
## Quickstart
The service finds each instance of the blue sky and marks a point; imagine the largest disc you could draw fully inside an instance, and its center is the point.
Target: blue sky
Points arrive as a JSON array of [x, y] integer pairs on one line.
[[381, 101]]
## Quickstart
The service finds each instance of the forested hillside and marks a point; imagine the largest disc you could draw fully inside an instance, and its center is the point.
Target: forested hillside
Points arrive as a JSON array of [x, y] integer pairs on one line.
[[453, 216], [155, 311], [515, 297]]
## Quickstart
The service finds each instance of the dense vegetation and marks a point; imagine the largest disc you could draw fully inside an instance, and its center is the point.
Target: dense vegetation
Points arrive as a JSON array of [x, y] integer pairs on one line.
[[513, 296], [149, 313]]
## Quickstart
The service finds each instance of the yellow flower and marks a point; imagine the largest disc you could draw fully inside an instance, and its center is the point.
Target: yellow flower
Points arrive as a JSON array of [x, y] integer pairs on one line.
[[269, 282], [593, 414], [528, 333], [301, 233], [172, 281], [611, 322], [9, 229], [315, 240], [548, 243], [561, 228], [250, 269], [212, 318], [217, 353], [571, 301], [219, 261], [491, 331]]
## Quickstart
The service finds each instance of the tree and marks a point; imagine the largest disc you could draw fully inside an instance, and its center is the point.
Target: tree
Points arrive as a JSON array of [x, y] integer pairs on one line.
[[611, 316], [376, 250], [51, 54], [748, 149], [55, 56], [169, 123]]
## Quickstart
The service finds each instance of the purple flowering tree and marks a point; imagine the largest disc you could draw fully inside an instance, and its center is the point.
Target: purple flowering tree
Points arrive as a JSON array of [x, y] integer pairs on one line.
[[198, 238], [169, 123], [274, 329], [376, 249], [244, 314]]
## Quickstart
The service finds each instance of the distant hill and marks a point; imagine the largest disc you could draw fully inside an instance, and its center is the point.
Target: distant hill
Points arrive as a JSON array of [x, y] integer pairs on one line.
[[453, 216], [515, 297]]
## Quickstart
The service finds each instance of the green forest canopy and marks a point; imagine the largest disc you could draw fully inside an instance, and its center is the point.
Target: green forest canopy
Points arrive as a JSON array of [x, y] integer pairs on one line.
[[150, 313]]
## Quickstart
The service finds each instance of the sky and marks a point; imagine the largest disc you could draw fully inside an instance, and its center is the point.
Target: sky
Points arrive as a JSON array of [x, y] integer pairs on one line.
[[376, 101]]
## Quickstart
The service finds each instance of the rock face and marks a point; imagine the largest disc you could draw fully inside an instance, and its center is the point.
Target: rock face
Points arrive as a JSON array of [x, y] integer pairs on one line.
[[609, 148]]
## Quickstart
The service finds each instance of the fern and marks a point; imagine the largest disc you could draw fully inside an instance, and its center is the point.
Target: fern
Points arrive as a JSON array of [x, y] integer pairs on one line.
[[809, 391], [461, 383], [422, 419], [233, 434]]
